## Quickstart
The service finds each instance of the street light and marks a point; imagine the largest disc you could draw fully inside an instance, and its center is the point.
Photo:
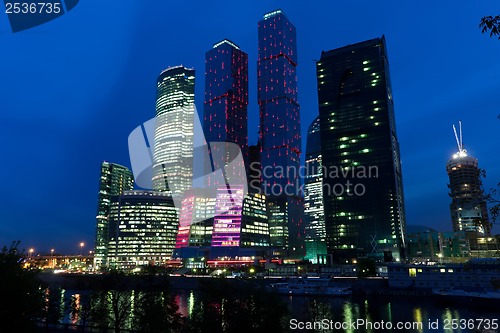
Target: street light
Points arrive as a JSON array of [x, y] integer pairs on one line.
[[31, 252], [82, 244], [52, 258]]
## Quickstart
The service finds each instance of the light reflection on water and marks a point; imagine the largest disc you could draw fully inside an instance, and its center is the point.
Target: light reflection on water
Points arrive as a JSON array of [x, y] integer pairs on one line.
[[345, 309]]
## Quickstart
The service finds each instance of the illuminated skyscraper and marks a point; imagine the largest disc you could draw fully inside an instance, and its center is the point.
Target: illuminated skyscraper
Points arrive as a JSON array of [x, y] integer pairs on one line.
[[114, 180], [314, 214], [173, 146], [226, 99], [468, 207], [362, 185], [280, 130], [144, 226]]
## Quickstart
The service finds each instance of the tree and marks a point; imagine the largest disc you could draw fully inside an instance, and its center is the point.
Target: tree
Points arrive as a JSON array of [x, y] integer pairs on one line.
[[21, 292], [111, 308], [493, 199], [491, 24], [227, 307], [156, 312]]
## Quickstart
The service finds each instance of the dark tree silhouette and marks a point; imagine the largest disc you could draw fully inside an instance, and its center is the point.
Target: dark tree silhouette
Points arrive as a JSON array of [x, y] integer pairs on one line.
[[21, 294], [226, 308], [491, 24]]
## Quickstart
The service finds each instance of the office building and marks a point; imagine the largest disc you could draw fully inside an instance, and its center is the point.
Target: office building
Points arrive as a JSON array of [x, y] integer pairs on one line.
[[280, 131], [114, 180], [362, 177], [143, 229], [254, 223], [314, 214], [173, 142], [225, 106], [196, 219]]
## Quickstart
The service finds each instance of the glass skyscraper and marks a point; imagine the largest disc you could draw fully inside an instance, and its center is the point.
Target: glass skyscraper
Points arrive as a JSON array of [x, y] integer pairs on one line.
[[362, 179], [114, 180], [226, 98], [314, 214], [173, 142], [280, 130], [143, 229]]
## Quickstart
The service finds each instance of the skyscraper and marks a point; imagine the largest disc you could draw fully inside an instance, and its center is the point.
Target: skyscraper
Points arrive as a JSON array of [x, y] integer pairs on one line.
[[173, 143], [114, 180], [144, 226], [314, 214], [362, 179], [226, 97], [468, 208], [280, 130]]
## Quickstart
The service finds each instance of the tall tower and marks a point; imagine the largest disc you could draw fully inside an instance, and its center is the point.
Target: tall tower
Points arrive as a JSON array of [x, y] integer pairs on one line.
[[314, 213], [468, 208], [226, 95], [115, 179], [280, 130], [173, 146], [362, 185]]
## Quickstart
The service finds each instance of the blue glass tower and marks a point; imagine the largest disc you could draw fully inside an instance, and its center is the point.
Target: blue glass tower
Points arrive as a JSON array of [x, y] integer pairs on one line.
[[226, 99], [280, 130]]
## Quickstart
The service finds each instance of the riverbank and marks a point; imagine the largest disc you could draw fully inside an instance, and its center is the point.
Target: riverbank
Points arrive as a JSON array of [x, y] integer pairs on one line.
[[368, 287]]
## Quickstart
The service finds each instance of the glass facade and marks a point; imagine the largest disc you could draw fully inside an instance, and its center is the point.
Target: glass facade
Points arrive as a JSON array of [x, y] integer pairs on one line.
[[228, 213], [362, 177], [196, 219], [173, 146], [468, 208], [144, 225], [226, 100], [254, 225], [114, 180], [314, 216], [280, 129]]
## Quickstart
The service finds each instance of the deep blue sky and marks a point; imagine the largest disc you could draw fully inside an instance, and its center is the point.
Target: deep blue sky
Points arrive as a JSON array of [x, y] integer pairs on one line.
[[73, 89]]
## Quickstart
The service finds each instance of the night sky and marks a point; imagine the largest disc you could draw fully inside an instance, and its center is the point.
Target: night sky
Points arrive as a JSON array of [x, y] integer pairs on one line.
[[73, 89]]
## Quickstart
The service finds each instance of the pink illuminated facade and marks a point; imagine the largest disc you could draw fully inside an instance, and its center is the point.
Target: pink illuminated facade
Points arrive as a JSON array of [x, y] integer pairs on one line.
[[228, 214]]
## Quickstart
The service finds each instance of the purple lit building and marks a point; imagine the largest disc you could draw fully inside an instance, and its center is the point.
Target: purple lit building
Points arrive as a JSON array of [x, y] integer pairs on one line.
[[228, 214]]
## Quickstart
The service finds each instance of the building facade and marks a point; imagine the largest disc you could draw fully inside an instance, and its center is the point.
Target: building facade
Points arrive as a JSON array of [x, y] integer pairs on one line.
[[143, 226], [196, 219], [254, 224], [225, 106], [174, 131], [114, 180], [314, 213], [468, 208], [362, 177], [280, 131]]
